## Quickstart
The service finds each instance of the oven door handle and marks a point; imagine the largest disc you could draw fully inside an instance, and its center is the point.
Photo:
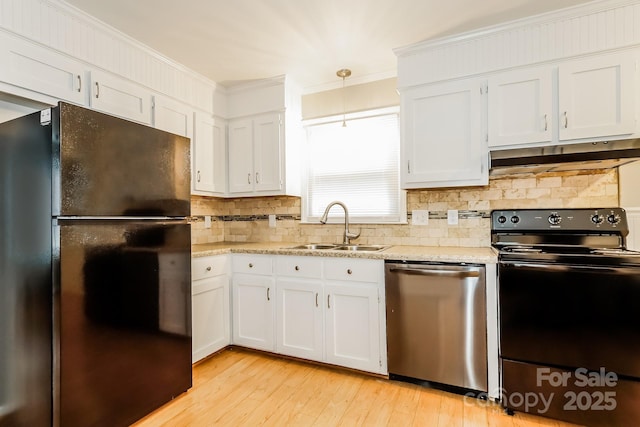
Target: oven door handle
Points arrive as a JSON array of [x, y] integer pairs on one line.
[[565, 267]]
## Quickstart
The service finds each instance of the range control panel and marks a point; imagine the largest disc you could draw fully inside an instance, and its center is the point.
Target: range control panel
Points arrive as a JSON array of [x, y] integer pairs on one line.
[[605, 219]]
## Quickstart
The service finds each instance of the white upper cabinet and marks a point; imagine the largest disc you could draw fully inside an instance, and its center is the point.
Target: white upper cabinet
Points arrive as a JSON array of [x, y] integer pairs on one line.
[[209, 160], [172, 116], [268, 153], [520, 107], [443, 142], [256, 155], [38, 69], [241, 177], [264, 139], [113, 95], [596, 96]]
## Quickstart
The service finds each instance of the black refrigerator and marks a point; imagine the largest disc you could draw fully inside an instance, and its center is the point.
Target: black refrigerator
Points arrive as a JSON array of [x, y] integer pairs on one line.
[[95, 255]]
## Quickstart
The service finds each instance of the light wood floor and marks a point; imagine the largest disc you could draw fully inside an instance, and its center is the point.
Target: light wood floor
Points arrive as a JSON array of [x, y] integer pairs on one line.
[[242, 388]]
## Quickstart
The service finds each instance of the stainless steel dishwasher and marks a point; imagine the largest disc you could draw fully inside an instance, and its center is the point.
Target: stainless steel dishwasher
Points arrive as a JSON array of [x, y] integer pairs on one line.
[[436, 323]]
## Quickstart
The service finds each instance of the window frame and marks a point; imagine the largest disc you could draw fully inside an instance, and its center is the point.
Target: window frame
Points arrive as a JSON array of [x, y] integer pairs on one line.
[[337, 214]]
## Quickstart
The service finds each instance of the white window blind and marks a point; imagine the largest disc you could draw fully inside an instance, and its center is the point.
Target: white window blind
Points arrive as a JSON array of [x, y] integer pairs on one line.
[[357, 165]]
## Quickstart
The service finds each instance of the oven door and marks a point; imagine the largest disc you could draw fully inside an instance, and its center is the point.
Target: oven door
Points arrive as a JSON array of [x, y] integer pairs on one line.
[[570, 315]]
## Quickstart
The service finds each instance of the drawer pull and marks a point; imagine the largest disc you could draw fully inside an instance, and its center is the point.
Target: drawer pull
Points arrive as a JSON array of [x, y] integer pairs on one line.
[[329, 301], [316, 299], [268, 294], [250, 265], [209, 268], [297, 268], [349, 271]]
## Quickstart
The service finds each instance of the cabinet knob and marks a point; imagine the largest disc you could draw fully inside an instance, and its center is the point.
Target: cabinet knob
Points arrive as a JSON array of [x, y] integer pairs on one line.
[[250, 265], [209, 268], [349, 271], [297, 268]]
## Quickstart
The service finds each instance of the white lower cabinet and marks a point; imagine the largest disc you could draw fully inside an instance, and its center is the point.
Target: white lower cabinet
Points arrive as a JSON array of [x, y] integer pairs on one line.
[[209, 305], [355, 325], [299, 319], [300, 309], [331, 310], [253, 301], [352, 328]]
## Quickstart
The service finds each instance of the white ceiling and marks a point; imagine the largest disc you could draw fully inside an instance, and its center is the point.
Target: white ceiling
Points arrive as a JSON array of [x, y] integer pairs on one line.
[[235, 40]]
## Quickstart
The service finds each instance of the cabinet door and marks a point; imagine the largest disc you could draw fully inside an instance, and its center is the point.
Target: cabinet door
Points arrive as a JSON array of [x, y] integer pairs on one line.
[[119, 97], [520, 107], [172, 116], [209, 155], [299, 326], [253, 311], [210, 316], [41, 70], [442, 136], [597, 96], [241, 156], [352, 327], [267, 154]]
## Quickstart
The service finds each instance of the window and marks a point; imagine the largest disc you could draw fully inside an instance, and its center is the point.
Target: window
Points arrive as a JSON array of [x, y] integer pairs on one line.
[[357, 165]]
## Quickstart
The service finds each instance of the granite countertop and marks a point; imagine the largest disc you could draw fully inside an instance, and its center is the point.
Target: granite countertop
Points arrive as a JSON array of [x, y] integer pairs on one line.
[[486, 255]]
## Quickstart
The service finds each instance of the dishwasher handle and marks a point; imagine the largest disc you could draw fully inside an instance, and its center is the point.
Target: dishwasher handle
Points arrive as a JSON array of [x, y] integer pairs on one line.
[[436, 272]]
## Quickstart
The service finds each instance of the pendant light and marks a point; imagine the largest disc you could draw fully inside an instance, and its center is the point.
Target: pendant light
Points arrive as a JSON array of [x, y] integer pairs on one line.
[[343, 73]]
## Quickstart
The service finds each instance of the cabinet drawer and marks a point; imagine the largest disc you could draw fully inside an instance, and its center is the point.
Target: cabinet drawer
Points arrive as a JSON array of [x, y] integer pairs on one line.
[[252, 264], [297, 266], [353, 270], [208, 267], [208, 284]]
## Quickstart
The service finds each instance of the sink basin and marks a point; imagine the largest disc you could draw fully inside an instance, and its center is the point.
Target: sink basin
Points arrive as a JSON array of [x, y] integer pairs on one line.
[[340, 247], [315, 246], [361, 248]]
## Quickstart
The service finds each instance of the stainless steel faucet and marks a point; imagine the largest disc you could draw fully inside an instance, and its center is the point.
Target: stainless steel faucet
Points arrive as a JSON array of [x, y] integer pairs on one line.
[[347, 234]]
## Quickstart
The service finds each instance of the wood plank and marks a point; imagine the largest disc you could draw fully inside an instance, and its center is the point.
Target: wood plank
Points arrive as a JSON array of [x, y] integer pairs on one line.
[[241, 387]]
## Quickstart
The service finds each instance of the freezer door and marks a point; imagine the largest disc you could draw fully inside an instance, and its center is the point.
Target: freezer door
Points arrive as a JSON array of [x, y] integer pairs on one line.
[[108, 166], [124, 319]]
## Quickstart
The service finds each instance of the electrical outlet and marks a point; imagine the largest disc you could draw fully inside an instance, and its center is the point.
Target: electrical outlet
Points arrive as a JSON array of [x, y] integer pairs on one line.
[[272, 221], [420, 217], [452, 217], [207, 221]]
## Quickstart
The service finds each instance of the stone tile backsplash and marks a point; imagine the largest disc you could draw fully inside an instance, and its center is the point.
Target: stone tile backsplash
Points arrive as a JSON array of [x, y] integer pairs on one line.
[[233, 219]]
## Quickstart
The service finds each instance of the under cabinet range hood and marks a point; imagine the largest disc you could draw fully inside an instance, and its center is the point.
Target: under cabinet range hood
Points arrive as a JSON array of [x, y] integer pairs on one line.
[[590, 155]]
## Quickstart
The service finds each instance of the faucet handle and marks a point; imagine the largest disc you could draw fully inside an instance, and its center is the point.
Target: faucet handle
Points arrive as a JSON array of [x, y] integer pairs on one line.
[[351, 235]]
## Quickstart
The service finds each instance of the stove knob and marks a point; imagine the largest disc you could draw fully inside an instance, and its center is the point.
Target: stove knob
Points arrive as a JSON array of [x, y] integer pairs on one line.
[[597, 219], [502, 219], [613, 219], [515, 219], [555, 219]]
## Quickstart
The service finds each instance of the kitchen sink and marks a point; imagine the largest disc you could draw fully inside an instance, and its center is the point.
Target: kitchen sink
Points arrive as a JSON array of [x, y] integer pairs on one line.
[[315, 246], [361, 248], [340, 247]]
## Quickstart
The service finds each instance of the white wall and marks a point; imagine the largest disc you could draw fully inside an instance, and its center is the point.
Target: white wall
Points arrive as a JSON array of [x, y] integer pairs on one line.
[[362, 97], [13, 107], [629, 190]]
